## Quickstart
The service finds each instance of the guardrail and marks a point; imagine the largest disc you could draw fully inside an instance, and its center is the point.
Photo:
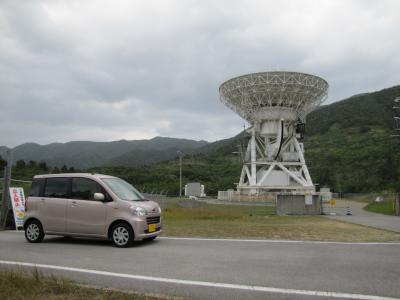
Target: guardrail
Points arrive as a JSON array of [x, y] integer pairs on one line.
[[23, 181]]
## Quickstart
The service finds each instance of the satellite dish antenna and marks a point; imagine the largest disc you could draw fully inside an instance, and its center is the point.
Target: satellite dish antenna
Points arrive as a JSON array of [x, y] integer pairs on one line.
[[276, 105]]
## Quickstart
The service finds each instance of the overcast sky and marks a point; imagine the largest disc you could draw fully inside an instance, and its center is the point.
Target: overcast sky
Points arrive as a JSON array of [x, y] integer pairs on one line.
[[110, 70]]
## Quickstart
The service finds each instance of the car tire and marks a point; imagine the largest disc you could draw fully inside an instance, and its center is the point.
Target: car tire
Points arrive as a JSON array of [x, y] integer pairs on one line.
[[122, 235], [34, 231]]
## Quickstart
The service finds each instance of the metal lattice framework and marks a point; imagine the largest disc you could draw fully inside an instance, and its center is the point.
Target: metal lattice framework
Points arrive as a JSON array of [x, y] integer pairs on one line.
[[248, 94]]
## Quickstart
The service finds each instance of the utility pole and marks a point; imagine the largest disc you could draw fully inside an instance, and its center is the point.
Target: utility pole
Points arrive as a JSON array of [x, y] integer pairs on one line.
[[180, 154], [6, 185], [396, 117], [396, 109]]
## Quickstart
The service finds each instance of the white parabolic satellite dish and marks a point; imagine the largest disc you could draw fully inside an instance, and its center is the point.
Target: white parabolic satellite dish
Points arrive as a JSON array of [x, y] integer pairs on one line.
[[274, 103], [254, 94]]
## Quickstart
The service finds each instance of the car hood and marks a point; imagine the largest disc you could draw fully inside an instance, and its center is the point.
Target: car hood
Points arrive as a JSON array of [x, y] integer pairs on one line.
[[150, 206]]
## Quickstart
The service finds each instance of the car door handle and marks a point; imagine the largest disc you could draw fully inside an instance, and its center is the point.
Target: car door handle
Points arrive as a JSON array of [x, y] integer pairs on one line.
[[74, 203]]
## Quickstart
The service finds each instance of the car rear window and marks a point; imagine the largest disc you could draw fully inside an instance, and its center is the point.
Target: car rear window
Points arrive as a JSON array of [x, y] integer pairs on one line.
[[36, 187]]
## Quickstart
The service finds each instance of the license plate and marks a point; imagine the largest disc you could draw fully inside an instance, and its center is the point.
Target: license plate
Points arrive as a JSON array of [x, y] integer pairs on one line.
[[152, 227]]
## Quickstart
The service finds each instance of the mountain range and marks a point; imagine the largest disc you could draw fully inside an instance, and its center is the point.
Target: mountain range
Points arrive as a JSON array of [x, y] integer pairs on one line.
[[84, 154]]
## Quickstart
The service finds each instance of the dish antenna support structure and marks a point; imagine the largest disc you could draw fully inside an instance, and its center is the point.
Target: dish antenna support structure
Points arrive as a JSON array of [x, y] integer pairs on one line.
[[276, 105]]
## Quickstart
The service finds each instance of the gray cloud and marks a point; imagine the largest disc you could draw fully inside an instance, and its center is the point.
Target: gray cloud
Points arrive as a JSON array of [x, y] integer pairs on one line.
[[107, 70]]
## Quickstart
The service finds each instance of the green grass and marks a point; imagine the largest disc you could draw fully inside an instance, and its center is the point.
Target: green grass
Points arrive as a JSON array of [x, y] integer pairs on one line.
[[385, 207], [261, 222], [22, 286]]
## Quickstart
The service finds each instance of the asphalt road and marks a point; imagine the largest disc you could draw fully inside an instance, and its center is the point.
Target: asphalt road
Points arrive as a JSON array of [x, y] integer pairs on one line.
[[219, 269], [363, 217]]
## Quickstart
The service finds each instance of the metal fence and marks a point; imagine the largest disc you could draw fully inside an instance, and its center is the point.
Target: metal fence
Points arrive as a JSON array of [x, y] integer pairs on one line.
[[332, 203], [233, 196], [161, 199]]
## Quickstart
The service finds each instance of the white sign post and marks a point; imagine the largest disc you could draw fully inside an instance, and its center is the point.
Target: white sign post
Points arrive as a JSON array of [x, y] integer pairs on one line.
[[308, 199], [18, 204]]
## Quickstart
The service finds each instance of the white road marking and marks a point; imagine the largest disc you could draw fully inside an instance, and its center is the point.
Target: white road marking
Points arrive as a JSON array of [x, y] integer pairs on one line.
[[203, 283], [278, 241]]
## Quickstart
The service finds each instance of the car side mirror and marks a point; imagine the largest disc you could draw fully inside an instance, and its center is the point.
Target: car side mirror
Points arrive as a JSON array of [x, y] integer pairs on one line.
[[99, 197]]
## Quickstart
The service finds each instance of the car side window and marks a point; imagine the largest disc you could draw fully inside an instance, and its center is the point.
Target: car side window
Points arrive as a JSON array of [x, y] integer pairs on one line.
[[56, 187], [84, 188]]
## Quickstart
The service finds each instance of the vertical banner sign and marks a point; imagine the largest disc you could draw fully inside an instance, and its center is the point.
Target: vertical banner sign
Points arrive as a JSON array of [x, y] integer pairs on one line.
[[18, 204]]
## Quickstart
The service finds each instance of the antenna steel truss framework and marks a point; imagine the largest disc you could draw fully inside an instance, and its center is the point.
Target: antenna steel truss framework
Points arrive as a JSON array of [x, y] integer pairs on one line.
[[261, 172]]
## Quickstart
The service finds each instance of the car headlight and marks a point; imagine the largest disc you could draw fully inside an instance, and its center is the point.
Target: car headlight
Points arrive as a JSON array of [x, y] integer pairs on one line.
[[139, 211], [159, 210]]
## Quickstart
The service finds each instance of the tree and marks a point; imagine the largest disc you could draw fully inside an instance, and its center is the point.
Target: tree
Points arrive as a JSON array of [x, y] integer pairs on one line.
[[32, 164], [3, 163], [55, 170], [43, 166], [64, 169], [21, 163]]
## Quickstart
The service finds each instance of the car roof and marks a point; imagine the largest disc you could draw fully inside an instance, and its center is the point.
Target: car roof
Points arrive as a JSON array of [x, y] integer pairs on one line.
[[87, 175]]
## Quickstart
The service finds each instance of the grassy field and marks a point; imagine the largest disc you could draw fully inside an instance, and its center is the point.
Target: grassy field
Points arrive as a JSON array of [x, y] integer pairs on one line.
[[19, 286], [260, 222], [385, 207]]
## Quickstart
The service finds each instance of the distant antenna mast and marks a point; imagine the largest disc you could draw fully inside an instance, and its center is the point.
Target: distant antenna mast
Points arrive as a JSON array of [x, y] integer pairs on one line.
[[241, 145]]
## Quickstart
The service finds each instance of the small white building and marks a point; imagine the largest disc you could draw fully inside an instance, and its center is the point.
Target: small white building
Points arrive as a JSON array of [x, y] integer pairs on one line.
[[194, 189]]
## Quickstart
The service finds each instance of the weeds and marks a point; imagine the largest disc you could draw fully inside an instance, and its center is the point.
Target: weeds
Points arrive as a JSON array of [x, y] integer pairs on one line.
[[17, 285]]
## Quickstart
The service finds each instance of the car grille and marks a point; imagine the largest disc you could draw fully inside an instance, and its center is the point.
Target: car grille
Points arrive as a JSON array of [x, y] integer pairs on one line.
[[153, 220]]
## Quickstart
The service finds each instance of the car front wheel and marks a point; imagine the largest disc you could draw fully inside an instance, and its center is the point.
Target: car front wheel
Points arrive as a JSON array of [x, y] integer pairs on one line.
[[122, 235], [34, 232]]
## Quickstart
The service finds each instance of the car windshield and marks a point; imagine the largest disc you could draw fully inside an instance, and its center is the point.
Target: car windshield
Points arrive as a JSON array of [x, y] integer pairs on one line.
[[122, 189]]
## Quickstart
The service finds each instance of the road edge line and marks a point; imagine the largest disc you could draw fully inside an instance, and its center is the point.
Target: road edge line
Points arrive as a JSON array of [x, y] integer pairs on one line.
[[276, 241], [202, 283]]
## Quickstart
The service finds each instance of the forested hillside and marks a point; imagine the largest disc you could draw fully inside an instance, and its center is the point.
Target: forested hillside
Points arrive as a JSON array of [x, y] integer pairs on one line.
[[360, 111], [349, 146]]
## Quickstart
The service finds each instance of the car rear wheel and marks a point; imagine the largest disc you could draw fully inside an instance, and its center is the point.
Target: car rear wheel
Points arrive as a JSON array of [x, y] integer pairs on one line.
[[122, 235], [34, 232]]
